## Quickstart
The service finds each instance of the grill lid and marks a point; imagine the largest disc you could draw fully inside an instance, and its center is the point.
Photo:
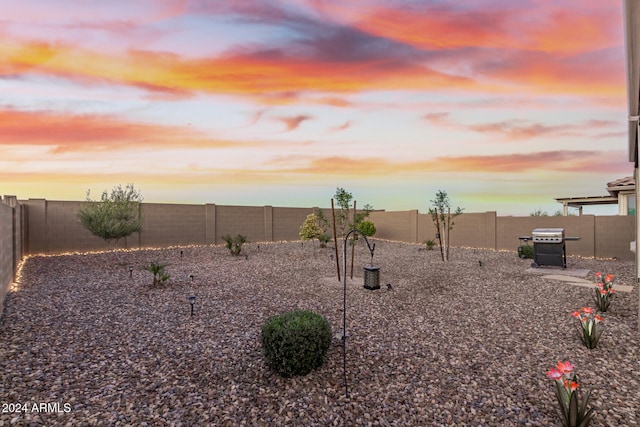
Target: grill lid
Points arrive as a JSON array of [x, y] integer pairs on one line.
[[548, 235]]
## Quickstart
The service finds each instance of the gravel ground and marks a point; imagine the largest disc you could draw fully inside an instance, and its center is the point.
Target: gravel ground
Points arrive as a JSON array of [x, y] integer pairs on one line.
[[454, 343]]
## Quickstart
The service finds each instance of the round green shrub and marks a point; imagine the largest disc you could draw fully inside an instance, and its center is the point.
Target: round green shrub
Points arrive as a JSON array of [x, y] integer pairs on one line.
[[367, 228], [525, 252], [296, 342]]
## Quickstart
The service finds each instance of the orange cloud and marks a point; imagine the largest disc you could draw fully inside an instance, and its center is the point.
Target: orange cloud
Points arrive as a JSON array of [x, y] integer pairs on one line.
[[515, 130], [561, 160], [259, 76], [442, 26], [292, 123], [86, 132]]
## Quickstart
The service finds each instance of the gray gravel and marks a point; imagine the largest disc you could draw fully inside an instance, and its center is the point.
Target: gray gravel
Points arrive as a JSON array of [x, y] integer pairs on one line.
[[450, 344]]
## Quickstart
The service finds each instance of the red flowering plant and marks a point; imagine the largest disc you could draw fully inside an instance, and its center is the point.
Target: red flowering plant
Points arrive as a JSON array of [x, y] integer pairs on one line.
[[573, 407], [591, 326], [604, 291]]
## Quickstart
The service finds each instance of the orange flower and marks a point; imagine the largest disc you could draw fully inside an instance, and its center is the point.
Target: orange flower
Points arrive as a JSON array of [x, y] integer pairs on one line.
[[564, 367]]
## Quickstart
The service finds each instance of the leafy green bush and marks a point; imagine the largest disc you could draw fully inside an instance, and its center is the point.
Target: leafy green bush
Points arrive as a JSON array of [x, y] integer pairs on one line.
[[296, 342], [525, 252], [234, 244], [367, 228]]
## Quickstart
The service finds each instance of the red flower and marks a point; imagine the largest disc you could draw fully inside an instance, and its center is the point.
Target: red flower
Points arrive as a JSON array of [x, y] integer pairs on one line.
[[573, 385], [587, 310]]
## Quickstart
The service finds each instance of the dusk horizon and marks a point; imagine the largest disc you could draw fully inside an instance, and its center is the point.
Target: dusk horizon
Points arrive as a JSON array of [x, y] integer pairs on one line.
[[505, 106]]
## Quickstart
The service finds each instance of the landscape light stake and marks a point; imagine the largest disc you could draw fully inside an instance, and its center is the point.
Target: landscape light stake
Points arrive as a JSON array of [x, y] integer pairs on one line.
[[181, 253], [344, 306], [131, 271], [192, 301]]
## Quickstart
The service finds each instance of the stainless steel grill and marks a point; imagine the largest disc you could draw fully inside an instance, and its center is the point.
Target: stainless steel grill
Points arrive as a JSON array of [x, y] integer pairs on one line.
[[549, 246]]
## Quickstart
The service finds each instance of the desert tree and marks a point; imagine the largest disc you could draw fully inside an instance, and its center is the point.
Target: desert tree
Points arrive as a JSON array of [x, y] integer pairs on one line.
[[442, 218], [115, 215]]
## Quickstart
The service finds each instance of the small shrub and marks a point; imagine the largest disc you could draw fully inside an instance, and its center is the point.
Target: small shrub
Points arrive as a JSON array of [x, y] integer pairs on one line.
[[324, 239], [430, 244], [296, 342], [234, 244], [310, 228], [160, 276], [367, 228], [525, 252]]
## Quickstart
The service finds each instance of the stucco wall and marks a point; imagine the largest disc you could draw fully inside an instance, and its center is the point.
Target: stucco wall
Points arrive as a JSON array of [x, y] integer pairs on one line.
[[52, 227], [11, 243]]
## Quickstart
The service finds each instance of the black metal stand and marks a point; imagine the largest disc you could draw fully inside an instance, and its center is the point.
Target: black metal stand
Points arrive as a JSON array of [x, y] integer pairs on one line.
[[344, 309]]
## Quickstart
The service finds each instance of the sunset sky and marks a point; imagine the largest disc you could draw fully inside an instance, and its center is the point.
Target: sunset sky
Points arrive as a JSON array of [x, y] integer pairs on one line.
[[503, 104]]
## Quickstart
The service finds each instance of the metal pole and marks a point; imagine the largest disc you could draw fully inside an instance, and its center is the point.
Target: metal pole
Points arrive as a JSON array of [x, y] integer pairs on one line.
[[344, 307], [448, 230], [435, 210], [335, 239], [353, 246], [344, 320]]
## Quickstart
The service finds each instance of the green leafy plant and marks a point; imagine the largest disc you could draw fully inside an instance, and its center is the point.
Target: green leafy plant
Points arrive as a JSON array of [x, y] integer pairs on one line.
[[525, 252], [367, 228], [573, 407], [296, 342], [591, 326], [604, 291], [345, 221], [160, 276], [430, 244], [115, 216], [234, 244]]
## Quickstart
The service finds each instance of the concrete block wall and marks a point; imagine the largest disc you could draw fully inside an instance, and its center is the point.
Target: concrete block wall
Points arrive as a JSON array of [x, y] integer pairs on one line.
[[246, 220], [6, 251], [475, 230], [399, 225], [170, 225], [287, 222], [614, 235], [11, 243], [52, 227]]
